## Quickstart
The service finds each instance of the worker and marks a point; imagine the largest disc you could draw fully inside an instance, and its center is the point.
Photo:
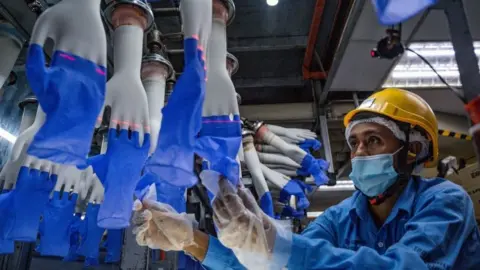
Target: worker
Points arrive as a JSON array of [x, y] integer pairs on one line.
[[395, 219]]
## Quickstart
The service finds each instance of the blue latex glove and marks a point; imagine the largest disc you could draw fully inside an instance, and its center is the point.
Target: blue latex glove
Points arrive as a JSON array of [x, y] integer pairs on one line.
[[219, 142], [288, 211], [119, 171], [25, 204], [173, 159], [266, 203], [74, 238], [55, 226], [392, 12], [114, 244], [91, 235], [293, 188], [322, 164], [71, 92], [313, 166], [310, 144], [6, 246], [172, 195], [166, 193]]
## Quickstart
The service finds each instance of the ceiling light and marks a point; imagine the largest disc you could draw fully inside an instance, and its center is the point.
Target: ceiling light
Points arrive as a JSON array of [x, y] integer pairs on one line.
[[412, 72], [7, 135], [272, 2]]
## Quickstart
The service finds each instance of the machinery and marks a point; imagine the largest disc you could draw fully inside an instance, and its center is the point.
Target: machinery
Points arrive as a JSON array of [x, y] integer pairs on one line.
[[284, 166]]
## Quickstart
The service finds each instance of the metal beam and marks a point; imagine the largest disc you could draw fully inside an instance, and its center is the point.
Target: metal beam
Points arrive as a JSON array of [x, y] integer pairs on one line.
[[256, 44], [355, 13], [295, 81]]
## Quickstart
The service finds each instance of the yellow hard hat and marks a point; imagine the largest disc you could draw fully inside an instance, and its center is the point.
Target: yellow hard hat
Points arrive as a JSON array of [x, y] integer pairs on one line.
[[403, 106]]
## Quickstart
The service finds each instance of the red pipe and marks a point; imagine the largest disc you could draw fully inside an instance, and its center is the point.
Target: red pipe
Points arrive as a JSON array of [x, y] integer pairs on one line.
[[312, 39]]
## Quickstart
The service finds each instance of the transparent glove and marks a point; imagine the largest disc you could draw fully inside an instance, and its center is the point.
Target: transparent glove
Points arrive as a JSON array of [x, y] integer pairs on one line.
[[159, 226], [259, 242]]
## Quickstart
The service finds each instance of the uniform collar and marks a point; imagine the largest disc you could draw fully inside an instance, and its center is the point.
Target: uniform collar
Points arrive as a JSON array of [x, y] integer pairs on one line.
[[404, 203]]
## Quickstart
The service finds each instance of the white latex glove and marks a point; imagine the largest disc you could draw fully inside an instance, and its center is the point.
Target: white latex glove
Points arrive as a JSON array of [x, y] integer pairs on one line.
[[11, 47], [125, 93], [159, 226], [97, 189], [303, 133], [244, 228], [69, 178], [294, 134], [76, 27], [19, 157]]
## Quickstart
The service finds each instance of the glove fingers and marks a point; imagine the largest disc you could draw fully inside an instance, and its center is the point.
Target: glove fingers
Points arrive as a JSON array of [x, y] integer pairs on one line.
[[156, 206], [249, 201]]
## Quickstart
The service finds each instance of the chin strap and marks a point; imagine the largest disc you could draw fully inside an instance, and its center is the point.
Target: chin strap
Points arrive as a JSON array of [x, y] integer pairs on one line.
[[403, 169]]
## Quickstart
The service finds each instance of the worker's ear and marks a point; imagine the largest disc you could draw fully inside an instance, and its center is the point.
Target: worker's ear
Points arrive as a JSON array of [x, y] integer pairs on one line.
[[414, 149]]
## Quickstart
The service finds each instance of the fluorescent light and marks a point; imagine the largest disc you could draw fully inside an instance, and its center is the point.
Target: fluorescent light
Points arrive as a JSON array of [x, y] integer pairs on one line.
[[412, 72], [314, 214], [7, 135], [272, 2]]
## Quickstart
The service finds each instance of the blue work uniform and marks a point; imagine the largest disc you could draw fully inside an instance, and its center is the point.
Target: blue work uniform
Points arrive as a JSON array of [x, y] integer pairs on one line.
[[432, 226]]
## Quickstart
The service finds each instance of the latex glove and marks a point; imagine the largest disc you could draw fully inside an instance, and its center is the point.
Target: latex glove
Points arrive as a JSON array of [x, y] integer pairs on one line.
[[159, 226], [74, 238], [71, 90], [126, 96], [6, 246], [68, 179], [250, 233], [114, 244], [91, 235], [11, 44], [56, 224], [18, 155], [172, 161], [310, 144], [297, 189], [21, 214], [119, 170], [295, 135], [303, 133]]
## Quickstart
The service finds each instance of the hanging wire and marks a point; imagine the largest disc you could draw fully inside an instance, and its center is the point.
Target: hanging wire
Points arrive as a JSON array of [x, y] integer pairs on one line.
[[458, 92]]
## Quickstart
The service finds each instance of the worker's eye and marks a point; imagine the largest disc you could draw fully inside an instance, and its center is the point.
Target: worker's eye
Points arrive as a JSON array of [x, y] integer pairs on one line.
[[374, 140], [352, 143]]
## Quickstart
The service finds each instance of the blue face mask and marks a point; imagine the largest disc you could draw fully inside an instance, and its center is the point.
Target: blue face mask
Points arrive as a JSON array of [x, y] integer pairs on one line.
[[373, 175]]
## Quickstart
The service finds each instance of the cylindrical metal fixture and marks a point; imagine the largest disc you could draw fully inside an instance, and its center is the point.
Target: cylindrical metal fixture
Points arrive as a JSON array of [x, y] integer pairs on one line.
[[29, 110], [136, 7], [154, 42], [232, 64], [224, 9]]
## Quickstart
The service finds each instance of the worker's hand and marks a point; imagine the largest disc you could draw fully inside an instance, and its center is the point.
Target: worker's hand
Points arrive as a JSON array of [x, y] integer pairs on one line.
[[244, 228], [159, 226]]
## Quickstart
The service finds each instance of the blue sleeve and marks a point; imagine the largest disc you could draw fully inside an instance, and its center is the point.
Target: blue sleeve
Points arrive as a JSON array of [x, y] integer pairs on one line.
[[219, 257], [434, 236]]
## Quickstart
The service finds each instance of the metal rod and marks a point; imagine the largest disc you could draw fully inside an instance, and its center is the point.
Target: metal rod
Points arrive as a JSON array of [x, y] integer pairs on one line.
[[326, 142], [462, 42], [355, 99]]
